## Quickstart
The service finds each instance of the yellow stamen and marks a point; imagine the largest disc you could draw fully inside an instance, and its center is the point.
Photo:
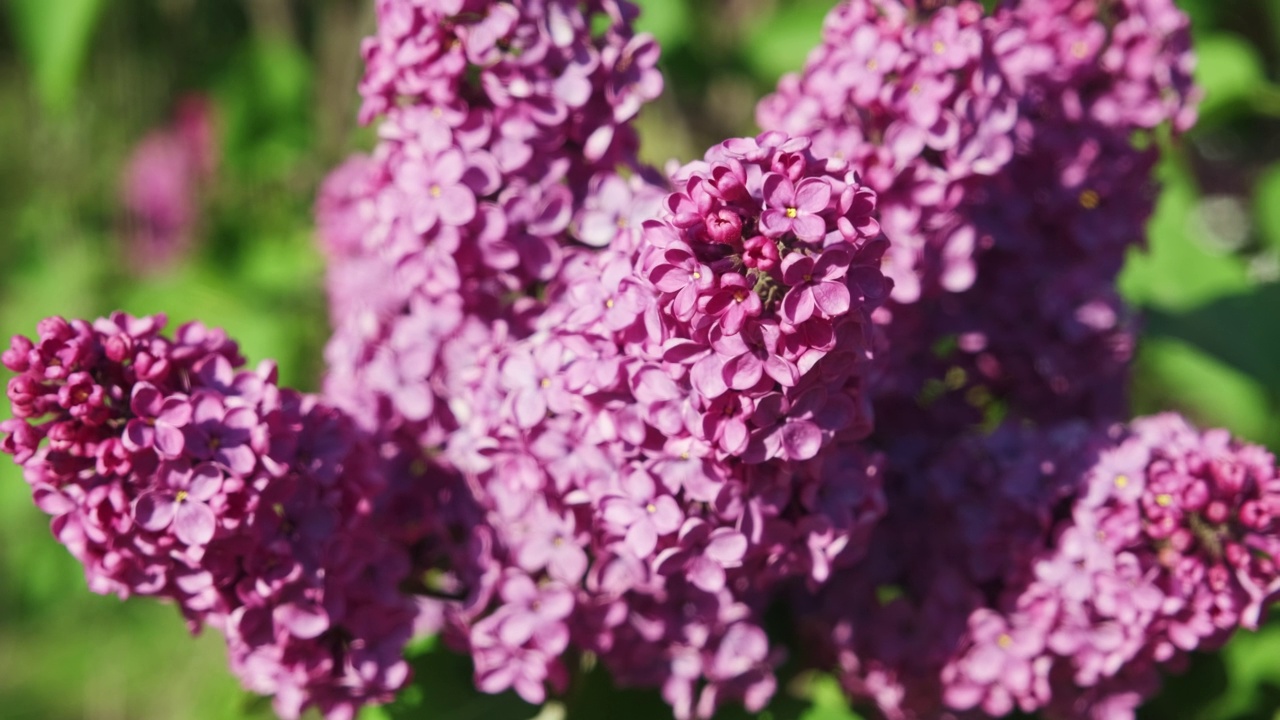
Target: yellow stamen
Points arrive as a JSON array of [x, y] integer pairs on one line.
[[1122, 481], [697, 275], [182, 495], [1164, 499], [435, 191], [1089, 199], [651, 508], [791, 212], [1004, 640], [546, 382], [608, 303], [939, 47]]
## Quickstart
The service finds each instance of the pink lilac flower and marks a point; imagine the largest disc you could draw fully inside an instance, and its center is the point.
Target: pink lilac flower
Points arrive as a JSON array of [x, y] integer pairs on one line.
[[962, 122], [160, 185], [203, 484], [1078, 561]]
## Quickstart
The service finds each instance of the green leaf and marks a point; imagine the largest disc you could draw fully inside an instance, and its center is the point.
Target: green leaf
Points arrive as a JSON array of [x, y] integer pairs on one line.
[[779, 43], [669, 20], [55, 36], [1171, 374], [1177, 271], [1239, 330], [443, 689], [829, 701], [265, 98], [1230, 69], [1266, 206]]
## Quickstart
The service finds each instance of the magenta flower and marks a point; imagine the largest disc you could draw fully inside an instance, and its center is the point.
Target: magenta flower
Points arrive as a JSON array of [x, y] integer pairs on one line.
[[533, 612], [535, 381], [704, 553], [641, 515], [734, 303], [795, 209], [634, 78], [220, 433], [434, 191], [815, 285], [681, 273], [550, 542], [158, 421], [1005, 668], [182, 503]]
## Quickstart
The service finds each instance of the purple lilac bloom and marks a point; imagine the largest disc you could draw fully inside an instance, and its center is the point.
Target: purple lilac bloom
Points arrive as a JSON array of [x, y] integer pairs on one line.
[[203, 484], [1063, 567], [1001, 149], [160, 183]]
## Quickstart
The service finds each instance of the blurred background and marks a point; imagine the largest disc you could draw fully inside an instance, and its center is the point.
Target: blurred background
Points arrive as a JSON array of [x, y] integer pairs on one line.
[[163, 156]]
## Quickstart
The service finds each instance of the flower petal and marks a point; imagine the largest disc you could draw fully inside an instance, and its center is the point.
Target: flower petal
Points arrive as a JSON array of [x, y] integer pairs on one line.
[[194, 523], [154, 511]]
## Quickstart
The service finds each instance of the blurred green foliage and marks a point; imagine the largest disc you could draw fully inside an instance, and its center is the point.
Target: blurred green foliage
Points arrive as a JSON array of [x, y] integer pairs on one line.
[[81, 81]]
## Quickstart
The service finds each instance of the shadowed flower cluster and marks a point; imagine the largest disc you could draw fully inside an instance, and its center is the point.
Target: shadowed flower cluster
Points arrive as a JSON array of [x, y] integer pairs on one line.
[[1064, 567]]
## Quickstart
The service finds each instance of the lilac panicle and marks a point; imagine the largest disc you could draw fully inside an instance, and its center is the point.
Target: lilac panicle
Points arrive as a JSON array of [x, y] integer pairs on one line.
[[1063, 569], [170, 472], [1001, 148]]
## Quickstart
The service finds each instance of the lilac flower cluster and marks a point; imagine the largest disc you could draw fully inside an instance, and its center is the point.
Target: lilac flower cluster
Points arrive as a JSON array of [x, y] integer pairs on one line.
[[159, 187], [1002, 149], [505, 127], [767, 264], [596, 414], [650, 455], [170, 473], [1064, 568]]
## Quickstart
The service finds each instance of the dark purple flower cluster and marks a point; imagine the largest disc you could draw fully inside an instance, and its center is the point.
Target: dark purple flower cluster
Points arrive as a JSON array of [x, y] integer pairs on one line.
[[172, 474], [1063, 567], [1002, 149]]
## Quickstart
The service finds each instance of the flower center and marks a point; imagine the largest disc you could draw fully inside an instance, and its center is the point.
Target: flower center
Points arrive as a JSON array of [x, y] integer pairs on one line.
[[545, 383], [435, 191], [1089, 199], [939, 47], [1122, 481], [791, 212], [651, 508], [182, 495], [1004, 641]]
